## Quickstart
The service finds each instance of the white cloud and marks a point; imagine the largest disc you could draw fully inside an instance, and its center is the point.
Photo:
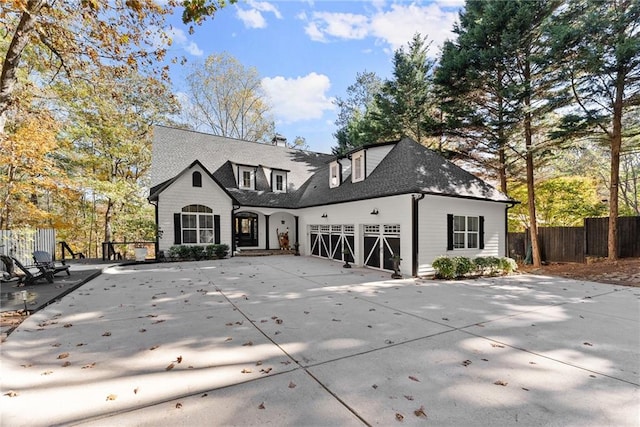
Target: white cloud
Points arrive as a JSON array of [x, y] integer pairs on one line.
[[397, 26], [253, 17], [394, 26], [298, 99], [180, 39], [341, 25]]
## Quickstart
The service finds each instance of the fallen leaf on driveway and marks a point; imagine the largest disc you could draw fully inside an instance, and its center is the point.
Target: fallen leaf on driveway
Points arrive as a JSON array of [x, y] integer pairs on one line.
[[259, 362], [158, 321], [502, 383], [170, 367], [112, 397], [246, 371], [179, 359], [47, 373], [11, 393], [261, 406], [279, 321], [413, 378], [135, 390], [228, 339], [292, 384], [466, 362], [68, 325], [65, 364], [420, 412], [497, 345], [588, 343], [248, 343], [399, 416], [106, 334], [178, 405], [154, 347], [91, 365], [408, 397], [266, 371], [142, 330], [375, 386], [63, 355]]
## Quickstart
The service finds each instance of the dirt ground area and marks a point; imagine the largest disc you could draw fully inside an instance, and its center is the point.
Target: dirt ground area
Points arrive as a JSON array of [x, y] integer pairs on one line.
[[624, 271]]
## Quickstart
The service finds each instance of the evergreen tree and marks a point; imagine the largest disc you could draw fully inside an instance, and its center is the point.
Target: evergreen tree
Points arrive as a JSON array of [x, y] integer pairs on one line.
[[406, 103], [597, 43]]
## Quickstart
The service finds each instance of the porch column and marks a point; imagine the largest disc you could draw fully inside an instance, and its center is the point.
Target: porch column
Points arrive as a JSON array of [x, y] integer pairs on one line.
[[266, 232], [297, 244]]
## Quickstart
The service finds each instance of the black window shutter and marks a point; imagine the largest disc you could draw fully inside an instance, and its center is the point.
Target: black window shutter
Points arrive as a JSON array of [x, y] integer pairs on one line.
[[449, 232], [481, 232], [177, 229], [216, 229]]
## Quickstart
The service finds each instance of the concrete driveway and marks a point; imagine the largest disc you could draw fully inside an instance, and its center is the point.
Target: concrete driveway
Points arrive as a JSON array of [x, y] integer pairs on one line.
[[286, 340]]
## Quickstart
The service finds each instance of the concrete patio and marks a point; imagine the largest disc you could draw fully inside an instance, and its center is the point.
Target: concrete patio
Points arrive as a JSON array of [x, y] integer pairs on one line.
[[302, 341]]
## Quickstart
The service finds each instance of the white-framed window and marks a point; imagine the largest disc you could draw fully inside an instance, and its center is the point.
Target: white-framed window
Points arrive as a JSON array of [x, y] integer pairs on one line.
[[279, 184], [246, 178], [466, 230], [197, 224], [334, 175], [357, 161]]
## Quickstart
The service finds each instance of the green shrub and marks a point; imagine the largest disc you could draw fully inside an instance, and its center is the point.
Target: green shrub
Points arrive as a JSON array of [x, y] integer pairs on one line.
[[196, 252], [445, 267], [508, 265], [210, 251], [463, 266], [481, 264], [221, 250], [494, 265], [180, 251]]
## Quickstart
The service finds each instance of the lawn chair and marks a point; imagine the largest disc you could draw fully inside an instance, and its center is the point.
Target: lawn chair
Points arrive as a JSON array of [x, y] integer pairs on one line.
[[33, 273], [9, 274], [43, 258]]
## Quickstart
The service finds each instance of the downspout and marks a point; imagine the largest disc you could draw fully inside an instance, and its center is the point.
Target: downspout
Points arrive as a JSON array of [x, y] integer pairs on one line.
[[506, 228], [233, 229], [414, 233]]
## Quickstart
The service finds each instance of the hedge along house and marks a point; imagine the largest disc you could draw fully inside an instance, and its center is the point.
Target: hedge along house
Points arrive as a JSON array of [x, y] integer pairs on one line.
[[378, 201]]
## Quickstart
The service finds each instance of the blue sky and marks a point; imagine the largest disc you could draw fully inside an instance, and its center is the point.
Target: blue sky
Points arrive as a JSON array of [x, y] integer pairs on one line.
[[308, 52]]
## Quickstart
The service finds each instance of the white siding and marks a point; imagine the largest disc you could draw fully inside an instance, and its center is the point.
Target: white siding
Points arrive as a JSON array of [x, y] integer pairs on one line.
[[391, 210], [181, 193], [375, 155], [432, 228]]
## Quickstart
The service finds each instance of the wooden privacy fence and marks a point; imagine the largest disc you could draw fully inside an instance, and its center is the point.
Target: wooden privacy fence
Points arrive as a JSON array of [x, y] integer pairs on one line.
[[573, 244], [21, 243]]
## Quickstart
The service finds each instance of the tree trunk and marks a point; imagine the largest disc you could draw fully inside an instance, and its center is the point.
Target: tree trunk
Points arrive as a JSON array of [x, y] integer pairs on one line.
[[616, 145], [21, 37], [531, 198]]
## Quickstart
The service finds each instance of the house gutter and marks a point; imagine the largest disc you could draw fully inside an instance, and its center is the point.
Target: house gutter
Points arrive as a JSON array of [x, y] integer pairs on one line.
[[414, 233]]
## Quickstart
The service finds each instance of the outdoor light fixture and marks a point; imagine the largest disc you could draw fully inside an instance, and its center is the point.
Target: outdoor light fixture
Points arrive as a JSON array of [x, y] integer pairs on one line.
[[324, 215], [374, 211]]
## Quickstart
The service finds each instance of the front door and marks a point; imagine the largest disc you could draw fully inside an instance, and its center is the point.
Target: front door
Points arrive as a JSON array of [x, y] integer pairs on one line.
[[246, 229]]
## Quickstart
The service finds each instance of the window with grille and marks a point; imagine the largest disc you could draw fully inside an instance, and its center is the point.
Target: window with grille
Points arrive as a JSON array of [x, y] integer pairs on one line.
[[465, 232], [197, 224]]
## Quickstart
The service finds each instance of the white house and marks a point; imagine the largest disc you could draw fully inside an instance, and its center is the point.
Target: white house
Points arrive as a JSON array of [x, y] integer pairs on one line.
[[380, 200]]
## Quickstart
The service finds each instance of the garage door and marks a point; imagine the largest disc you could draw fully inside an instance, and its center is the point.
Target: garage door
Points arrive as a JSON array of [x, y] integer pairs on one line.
[[331, 241], [381, 242]]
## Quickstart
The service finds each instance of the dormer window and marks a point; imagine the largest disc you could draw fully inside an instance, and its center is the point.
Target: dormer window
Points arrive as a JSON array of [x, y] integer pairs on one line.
[[357, 162], [196, 179], [334, 174], [279, 181], [246, 178]]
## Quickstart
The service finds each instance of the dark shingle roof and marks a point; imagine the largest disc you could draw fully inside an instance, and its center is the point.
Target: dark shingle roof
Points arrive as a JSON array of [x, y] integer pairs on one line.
[[407, 168]]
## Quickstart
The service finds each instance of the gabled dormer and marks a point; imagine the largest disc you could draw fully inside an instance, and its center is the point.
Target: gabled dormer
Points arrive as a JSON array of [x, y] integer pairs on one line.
[[279, 180], [335, 174], [246, 177], [358, 163]]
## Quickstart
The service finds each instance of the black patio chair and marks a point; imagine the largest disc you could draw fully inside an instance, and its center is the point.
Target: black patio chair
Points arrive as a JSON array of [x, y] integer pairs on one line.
[[43, 258], [33, 273]]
